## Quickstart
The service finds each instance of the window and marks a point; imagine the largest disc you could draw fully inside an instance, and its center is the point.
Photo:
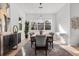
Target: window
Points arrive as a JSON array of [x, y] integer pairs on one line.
[[33, 26], [47, 25], [40, 26]]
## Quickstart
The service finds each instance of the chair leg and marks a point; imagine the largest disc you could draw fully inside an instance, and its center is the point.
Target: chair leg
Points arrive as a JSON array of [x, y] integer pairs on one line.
[[35, 52], [31, 44], [52, 45], [46, 52]]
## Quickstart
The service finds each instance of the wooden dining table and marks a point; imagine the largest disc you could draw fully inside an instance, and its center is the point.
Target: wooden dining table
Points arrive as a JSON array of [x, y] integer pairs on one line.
[[48, 36]]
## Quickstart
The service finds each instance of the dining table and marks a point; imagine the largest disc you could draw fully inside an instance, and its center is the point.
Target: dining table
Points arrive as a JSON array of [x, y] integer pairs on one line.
[[48, 36]]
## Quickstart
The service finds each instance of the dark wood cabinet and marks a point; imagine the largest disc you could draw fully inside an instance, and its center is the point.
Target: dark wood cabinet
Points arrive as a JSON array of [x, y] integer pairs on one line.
[[0, 45], [5, 44], [9, 41], [19, 37]]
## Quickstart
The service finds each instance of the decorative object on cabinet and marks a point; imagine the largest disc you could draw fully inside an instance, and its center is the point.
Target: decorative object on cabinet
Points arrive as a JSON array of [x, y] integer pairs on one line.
[[15, 29]]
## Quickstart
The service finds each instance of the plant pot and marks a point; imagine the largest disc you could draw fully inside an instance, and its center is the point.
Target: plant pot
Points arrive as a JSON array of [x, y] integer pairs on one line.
[[40, 32], [26, 36]]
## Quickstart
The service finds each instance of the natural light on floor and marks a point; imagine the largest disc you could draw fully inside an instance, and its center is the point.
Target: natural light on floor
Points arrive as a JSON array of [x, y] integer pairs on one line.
[[61, 30]]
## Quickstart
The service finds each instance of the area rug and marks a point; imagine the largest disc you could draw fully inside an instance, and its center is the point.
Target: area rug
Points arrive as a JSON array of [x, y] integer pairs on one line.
[[56, 51]]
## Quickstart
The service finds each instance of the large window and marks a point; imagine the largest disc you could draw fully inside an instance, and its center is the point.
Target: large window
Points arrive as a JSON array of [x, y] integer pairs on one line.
[[33, 26], [41, 25], [47, 25]]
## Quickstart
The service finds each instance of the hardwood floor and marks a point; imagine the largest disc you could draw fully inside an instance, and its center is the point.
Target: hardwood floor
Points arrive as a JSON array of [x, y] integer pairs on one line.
[[76, 47], [26, 50], [13, 52]]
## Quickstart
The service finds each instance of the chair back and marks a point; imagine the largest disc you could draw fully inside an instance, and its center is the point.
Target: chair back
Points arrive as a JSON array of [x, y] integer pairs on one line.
[[31, 34], [51, 34], [40, 40]]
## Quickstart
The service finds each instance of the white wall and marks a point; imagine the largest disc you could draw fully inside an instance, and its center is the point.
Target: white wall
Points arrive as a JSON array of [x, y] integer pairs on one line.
[[35, 17], [15, 13], [62, 17], [74, 11], [63, 21]]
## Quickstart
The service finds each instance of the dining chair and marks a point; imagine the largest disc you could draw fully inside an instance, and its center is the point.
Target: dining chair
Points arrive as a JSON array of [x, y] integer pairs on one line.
[[50, 39], [32, 39], [41, 43]]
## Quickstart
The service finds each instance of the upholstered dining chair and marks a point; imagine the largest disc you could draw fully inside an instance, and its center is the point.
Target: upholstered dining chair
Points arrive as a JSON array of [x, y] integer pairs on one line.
[[32, 39], [41, 43], [50, 39]]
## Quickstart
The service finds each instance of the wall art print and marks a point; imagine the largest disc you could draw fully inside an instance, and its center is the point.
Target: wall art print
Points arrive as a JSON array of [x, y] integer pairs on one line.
[[74, 22]]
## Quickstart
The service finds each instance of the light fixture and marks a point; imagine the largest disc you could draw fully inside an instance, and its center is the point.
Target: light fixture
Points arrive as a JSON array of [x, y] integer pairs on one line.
[[40, 6]]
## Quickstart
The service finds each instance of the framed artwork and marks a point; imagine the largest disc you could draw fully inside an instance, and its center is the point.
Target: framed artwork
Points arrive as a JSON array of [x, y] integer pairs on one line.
[[75, 22], [20, 23], [20, 26]]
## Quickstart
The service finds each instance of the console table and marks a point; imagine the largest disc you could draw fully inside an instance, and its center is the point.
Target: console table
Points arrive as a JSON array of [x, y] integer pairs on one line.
[[9, 41]]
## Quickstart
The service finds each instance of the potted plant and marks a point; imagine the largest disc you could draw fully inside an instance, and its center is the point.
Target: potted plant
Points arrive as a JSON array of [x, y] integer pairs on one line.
[[26, 29]]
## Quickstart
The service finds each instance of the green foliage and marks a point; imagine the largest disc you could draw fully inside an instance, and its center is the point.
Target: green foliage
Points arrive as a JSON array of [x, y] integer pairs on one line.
[[26, 27]]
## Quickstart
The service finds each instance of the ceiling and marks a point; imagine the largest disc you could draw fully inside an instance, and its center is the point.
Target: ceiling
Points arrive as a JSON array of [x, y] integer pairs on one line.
[[34, 7]]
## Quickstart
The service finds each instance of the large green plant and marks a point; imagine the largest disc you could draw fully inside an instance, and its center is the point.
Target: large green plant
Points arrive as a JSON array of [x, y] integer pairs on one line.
[[26, 27]]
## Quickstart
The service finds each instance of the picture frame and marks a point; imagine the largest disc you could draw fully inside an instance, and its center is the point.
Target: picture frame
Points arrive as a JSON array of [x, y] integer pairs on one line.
[[20, 23]]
